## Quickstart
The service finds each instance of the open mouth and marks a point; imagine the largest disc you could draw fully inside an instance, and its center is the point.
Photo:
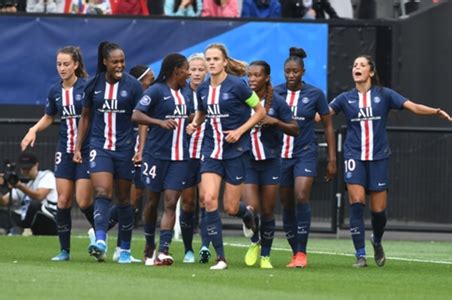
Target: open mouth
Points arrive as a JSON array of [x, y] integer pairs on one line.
[[357, 73]]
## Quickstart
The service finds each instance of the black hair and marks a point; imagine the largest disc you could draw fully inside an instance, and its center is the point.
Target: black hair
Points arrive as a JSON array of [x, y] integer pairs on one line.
[[178, 2], [76, 55], [217, 2], [138, 70], [375, 80], [169, 64], [296, 55], [103, 52], [269, 92]]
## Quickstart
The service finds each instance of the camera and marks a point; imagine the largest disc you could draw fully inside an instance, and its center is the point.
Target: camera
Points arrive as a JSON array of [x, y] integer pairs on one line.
[[9, 174]]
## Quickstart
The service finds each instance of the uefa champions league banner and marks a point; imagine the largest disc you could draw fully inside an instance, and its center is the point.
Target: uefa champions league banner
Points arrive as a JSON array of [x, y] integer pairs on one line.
[[29, 43]]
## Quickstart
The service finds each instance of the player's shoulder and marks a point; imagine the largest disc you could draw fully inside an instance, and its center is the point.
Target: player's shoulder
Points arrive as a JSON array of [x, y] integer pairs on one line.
[[280, 89]]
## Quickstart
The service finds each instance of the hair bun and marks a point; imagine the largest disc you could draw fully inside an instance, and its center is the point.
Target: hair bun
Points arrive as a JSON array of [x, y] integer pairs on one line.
[[293, 51]]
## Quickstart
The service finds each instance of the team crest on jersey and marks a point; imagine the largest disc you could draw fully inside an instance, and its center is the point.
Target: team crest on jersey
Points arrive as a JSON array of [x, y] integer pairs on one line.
[[123, 93], [305, 100], [78, 97], [348, 175], [377, 99], [271, 111], [226, 96], [92, 164], [146, 100]]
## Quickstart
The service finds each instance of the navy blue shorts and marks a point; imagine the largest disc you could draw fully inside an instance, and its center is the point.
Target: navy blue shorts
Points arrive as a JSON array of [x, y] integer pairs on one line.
[[66, 168], [231, 170], [159, 175], [137, 178], [119, 164], [373, 175], [194, 172], [297, 167], [263, 172]]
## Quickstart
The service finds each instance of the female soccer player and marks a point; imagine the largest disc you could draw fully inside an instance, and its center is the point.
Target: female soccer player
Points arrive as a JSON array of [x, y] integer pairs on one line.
[[299, 154], [197, 66], [366, 150], [109, 99], [264, 166], [65, 99], [226, 101], [165, 109]]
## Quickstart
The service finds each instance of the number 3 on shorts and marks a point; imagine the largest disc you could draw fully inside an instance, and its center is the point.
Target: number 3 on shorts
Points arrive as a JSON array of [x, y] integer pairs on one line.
[[150, 171]]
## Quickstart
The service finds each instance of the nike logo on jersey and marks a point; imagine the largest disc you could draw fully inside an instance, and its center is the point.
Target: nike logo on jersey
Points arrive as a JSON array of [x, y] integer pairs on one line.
[[97, 92], [166, 98], [381, 184], [203, 97], [275, 177], [307, 170], [351, 101], [57, 98], [238, 178]]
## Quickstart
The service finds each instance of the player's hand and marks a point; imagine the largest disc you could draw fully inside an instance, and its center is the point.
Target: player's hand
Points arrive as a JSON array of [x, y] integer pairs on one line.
[[267, 120], [191, 128], [77, 158], [137, 158], [169, 124], [331, 170], [232, 136], [29, 139]]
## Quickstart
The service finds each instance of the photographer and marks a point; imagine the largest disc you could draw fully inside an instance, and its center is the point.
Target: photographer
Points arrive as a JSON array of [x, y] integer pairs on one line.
[[34, 203]]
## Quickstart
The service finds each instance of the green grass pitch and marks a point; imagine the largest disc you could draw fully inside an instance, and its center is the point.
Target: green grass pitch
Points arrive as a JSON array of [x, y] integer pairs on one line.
[[414, 270]]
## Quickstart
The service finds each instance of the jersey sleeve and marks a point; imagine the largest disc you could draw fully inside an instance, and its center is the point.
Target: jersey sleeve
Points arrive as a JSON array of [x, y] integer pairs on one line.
[[284, 112], [88, 93], [336, 103], [148, 100], [51, 108], [137, 91], [396, 100], [321, 104]]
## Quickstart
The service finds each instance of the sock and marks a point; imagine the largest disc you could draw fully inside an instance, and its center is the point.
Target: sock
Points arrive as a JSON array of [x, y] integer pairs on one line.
[[149, 235], [165, 240], [243, 212], [290, 228], [114, 217], [101, 216], [378, 225], [89, 214], [255, 237], [357, 228], [267, 232], [64, 223], [303, 225], [214, 230], [203, 228], [125, 225], [186, 227]]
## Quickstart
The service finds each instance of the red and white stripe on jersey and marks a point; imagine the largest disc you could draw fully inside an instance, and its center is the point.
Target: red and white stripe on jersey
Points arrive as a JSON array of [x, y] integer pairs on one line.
[[257, 147], [367, 130], [217, 130], [177, 143], [111, 94], [289, 141], [71, 121], [197, 136]]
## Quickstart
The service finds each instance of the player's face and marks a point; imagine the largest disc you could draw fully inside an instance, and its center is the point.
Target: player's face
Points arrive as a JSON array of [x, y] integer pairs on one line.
[[198, 71], [66, 66], [147, 80], [182, 74], [293, 73], [257, 79], [361, 70], [216, 61], [115, 64]]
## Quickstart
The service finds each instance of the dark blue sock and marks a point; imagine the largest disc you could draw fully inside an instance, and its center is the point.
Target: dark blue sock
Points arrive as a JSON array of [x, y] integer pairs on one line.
[[243, 212], [114, 217], [290, 228], [165, 240], [101, 216], [186, 227], [203, 228], [149, 235], [125, 225], [89, 214], [215, 231], [357, 228], [267, 232], [64, 224], [303, 225], [255, 237], [378, 225]]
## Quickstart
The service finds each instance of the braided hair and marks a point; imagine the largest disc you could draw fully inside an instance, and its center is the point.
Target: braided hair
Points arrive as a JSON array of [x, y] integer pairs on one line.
[[76, 56], [269, 92]]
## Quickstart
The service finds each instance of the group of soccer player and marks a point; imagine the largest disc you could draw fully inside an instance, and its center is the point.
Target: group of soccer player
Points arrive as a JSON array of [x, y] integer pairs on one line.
[[199, 124]]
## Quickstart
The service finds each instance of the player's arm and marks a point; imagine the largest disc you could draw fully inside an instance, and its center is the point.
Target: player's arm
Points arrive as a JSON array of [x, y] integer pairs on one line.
[[420, 109], [198, 119], [30, 137], [331, 168], [83, 127]]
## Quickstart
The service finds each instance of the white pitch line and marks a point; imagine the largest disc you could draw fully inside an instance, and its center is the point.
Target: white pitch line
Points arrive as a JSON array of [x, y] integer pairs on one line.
[[431, 261]]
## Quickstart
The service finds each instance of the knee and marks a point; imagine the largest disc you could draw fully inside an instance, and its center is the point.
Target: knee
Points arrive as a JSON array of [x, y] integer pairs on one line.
[[64, 201], [102, 192], [302, 196]]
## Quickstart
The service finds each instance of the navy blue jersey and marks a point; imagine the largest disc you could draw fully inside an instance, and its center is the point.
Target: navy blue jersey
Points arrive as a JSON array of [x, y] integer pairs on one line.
[[67, 104], [112, 106], [304, 104], [366, 116], [266, 141], [161, 102], [197, 137], [225, 109]]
